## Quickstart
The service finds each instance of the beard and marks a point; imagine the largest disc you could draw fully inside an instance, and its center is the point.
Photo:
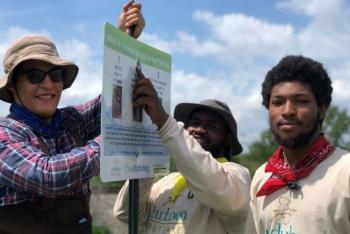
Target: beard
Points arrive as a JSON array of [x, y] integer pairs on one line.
[[299, 141], [217, 150]]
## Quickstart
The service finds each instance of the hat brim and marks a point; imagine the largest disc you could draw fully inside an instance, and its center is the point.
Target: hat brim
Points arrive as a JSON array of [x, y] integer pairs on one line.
[[183, 112], [71, 73]]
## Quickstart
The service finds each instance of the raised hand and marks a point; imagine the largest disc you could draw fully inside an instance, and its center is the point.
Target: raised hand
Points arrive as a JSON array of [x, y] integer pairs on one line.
[[145, 95], [131, 16]]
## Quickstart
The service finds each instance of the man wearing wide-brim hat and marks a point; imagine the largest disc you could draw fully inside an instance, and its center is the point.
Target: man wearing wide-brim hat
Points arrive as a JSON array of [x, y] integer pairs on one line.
[[209, 194], [47, 155]]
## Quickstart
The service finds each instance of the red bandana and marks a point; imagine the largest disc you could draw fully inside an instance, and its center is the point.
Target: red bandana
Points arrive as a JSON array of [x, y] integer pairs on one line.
[[283, 174]]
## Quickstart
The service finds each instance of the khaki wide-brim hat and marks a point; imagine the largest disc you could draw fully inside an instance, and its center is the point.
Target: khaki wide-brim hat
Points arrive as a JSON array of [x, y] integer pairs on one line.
[[33, 47], [183, 112]]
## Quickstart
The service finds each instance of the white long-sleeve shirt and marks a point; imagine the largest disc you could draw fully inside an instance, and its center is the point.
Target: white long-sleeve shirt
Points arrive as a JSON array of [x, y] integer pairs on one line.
[[321, 205], [215, 200]]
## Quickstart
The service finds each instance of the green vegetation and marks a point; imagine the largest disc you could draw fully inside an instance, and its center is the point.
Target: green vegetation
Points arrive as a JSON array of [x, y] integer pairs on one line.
[[337, 127], [258, 153], [100, 230]]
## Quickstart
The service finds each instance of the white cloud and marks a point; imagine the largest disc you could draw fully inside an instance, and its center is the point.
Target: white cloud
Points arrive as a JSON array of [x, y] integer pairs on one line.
[[88, 82], [81, 27], [244, 103], [12, 34], [341, 90], [157, 42], [248, 47], [312, 7], [238, 31], [341, 85], [232, 36]]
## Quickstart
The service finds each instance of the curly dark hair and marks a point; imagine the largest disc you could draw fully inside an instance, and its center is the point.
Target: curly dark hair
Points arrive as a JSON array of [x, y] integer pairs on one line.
[[304, 70]]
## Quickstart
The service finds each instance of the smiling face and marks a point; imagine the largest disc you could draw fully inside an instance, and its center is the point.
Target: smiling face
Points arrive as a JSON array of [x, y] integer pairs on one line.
[[42, 98], [294, 114], [210, 131]]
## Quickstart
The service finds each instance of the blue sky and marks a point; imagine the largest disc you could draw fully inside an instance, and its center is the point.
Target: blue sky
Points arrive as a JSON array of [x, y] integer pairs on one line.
[[220, 49]]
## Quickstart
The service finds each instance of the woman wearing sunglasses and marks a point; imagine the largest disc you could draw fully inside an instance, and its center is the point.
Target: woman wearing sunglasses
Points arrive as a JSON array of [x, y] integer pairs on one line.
[[48, 155]]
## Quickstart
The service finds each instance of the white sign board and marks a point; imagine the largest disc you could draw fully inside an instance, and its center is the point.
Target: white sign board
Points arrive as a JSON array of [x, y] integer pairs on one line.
[[131, 147]]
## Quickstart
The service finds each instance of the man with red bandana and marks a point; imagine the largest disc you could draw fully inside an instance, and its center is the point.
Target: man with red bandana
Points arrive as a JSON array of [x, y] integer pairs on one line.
[[304, 186]]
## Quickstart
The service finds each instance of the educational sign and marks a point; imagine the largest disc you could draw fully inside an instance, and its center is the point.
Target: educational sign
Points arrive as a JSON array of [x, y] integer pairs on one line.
[[131, 147]]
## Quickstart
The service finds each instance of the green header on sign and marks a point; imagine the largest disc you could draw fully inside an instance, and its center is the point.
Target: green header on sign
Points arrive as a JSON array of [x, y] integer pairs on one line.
[[121, 42]]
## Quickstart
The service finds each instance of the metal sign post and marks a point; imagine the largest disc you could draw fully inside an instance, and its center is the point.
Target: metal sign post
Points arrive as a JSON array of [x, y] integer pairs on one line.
[[133, 206], [133, 189]]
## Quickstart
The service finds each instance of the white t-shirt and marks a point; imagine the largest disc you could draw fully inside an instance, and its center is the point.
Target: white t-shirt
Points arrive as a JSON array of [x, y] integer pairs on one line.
[[321, 205]]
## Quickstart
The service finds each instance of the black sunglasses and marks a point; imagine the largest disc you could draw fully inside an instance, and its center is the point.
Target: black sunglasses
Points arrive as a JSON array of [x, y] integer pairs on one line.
[[36, 76]]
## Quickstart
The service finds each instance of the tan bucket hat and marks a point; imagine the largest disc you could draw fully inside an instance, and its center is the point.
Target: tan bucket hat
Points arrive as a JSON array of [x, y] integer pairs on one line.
[[33, 47], [183, 113]]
